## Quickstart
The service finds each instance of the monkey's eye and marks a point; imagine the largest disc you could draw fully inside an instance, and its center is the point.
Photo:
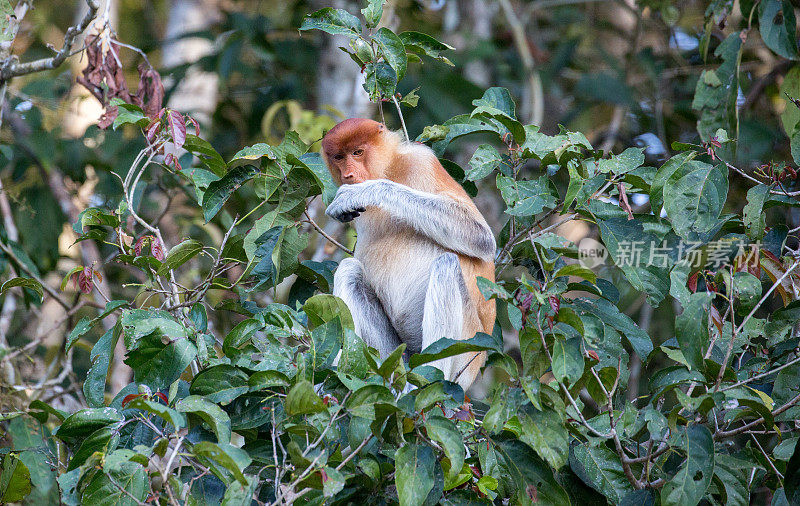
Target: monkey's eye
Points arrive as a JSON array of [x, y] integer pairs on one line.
[[338, 157], [358, 152]]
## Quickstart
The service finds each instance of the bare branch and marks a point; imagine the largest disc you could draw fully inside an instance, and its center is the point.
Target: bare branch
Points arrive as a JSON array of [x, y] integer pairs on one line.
[[14, 69]]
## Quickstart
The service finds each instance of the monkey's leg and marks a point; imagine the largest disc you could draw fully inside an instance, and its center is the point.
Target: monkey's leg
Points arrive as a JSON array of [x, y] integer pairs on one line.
[[371, 322], [444, 308]]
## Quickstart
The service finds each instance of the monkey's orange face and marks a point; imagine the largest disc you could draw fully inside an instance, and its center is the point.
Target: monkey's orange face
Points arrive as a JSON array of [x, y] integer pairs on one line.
[[352, 150], [351, 164]]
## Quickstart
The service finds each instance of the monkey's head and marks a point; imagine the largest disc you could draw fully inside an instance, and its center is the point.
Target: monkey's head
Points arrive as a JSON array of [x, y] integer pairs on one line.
[[358, 149]]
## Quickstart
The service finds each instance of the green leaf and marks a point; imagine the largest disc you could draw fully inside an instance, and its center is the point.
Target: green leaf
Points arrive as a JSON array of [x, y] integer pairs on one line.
[[691, 329], [232, 459], [600, 468], [220, 384], [102, 440], [611, 315], [630, 246], [717, 90], [577, 270], [445, 432], [129, 114], [734, 473], [333, 21], [206, 153], [505, 405], [267, 379], [690, 483], [303, 400], [241, 334], [238, 494], [786, 388], [411, 98], [176, 418], [544, 432], [213, 415], [777, 24], [86, 421], [363, 401], [94, 388], [393, 50], [15, 480], [446, 347], [179, 255], [414, 468], [138, 323], [529, 472], [483, 162], [665, 172], [694, 196], [219, 191], [125, 485], [157, 364], [380, 80], [25, 283], [567, 360], [622, 163], [424, 44], [322, 308], [497, 106], [373, 12], [790, 88], [755, 221], [527, 198]]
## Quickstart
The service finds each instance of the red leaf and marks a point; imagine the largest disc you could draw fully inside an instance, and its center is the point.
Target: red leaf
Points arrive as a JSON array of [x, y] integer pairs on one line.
[[157, 250], [163, 397], [85, 281], [152, 130], [526, 301], [555, 304], [692, 283], [128, 398], [196, 126], [108, 117], [623, 201], [716, 319], [150, 91], [140, 244], [177, 127], [593, 355]]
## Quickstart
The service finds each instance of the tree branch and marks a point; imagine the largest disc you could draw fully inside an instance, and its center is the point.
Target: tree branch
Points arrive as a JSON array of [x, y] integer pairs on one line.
[[14, 69]]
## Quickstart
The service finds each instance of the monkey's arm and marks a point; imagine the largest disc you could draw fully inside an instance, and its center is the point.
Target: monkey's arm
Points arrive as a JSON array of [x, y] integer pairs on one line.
[[443, 219]]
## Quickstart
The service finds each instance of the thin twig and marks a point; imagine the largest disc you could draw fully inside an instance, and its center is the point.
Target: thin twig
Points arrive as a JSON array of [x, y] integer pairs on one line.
[[402, 121], [325, 234]]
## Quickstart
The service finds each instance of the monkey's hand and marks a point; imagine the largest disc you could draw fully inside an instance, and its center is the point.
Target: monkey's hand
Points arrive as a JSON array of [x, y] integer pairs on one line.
[[351, 200]]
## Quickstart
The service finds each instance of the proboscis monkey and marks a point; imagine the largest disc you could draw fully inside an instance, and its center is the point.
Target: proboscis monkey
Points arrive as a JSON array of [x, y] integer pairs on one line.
[[421, 245]]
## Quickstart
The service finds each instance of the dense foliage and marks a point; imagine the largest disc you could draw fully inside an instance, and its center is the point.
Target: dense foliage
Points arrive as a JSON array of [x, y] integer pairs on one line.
[[235, 398]]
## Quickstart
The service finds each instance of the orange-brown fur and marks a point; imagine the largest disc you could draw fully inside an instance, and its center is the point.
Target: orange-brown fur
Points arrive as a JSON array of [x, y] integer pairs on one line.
[[359, 150]]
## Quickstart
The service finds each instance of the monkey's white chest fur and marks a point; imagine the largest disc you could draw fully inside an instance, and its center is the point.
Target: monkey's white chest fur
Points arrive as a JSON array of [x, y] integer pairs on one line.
[[397, 263]]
